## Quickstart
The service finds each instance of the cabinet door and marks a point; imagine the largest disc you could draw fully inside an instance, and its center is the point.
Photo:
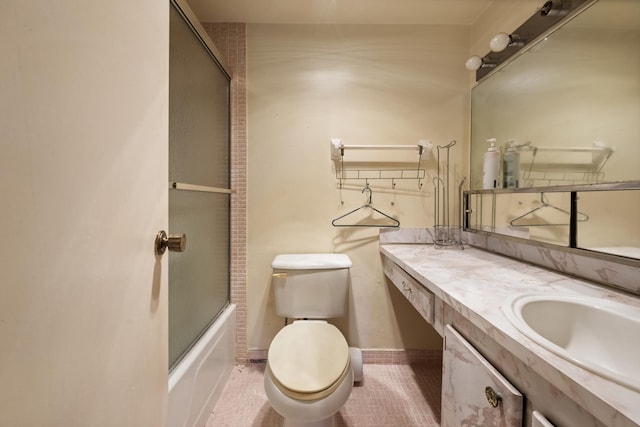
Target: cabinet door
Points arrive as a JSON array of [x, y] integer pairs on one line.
[[539, 420], [474, 393]]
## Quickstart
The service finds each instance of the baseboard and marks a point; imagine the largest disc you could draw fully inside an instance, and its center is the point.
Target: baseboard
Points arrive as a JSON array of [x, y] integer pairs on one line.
[[377, 356]]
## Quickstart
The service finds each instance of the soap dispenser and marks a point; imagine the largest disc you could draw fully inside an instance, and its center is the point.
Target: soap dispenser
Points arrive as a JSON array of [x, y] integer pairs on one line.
[[511, 166], [491, 166]]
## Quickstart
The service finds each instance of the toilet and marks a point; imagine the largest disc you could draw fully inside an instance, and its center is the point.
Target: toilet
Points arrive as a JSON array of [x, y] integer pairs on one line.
[[310, 367]]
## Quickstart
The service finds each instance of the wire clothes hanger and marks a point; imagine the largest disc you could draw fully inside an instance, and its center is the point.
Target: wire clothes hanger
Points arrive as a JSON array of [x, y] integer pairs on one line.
[[521, 220], [364, 223]]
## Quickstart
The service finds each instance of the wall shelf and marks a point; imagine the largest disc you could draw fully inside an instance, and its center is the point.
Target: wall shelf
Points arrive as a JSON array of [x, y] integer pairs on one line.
[[366, 173]]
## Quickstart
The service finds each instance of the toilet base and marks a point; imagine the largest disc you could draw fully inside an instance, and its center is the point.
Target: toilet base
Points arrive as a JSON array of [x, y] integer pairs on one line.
[[317, 413], [327, 422]]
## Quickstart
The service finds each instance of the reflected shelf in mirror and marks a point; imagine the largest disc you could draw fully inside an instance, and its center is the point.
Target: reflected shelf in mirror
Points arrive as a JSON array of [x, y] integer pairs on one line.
[[566, 94]]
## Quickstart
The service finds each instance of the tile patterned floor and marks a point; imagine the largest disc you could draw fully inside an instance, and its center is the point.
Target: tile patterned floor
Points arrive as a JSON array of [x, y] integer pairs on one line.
[[390, 395]]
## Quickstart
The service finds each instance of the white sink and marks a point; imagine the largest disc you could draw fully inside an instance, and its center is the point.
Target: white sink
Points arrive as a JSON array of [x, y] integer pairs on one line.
[[599, 335]]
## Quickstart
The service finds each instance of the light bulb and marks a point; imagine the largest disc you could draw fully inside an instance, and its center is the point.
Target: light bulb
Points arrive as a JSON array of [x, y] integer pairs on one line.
[[473, 63], [499, 42]]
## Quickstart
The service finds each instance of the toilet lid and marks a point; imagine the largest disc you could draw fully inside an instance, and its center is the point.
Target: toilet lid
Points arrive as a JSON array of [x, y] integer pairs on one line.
[[308, 356]]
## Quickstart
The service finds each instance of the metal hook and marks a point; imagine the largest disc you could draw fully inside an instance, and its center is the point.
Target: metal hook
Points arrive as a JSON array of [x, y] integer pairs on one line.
[[370, 192], [543, 199], [449, 145]]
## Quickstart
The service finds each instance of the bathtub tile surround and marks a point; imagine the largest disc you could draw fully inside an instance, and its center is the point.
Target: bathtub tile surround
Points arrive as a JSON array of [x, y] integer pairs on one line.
[[391, 395], [475, 283], [230, 39]]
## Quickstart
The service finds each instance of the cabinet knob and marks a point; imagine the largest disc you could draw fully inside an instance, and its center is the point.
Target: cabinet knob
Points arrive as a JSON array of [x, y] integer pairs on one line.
[[492, 397], [173, 242]]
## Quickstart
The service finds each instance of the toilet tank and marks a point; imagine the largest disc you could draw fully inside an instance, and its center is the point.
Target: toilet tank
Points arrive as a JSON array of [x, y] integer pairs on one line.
[[312, 286]]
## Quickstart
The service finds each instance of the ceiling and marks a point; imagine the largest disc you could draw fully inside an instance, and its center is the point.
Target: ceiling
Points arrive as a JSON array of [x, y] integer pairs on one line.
[[450, 12]]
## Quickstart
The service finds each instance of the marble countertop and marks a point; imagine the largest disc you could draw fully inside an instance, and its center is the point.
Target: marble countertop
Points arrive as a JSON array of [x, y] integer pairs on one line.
[[476, 283]]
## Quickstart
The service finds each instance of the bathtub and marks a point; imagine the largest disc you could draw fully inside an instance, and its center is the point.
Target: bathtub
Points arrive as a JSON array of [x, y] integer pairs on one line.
[[196, 383]]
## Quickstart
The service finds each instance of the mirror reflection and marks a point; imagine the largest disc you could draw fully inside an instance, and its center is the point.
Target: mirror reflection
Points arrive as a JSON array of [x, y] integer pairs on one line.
[[614, 229], [543, 217], [606, 221], [566, 110]]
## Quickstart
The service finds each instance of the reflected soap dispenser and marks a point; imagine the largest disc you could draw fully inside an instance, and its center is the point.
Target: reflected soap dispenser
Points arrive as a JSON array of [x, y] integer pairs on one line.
[[491, 166], [511, 166]]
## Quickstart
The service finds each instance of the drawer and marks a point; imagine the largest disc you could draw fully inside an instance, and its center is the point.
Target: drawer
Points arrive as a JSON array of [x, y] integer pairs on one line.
[[420, 298]]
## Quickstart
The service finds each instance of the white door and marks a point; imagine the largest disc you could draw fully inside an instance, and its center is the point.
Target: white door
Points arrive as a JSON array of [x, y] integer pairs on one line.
[[83, 191]]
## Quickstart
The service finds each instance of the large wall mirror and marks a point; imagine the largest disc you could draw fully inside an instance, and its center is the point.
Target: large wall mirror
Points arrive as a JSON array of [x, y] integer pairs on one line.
[[570, 102], [574, 96]]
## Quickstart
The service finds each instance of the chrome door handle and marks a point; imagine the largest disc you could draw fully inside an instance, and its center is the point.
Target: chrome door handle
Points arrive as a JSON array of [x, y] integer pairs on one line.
[[173, 242]]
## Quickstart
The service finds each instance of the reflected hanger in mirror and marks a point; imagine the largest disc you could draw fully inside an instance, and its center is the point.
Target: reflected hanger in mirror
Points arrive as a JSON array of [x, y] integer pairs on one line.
[[523, 221], [386, 221]]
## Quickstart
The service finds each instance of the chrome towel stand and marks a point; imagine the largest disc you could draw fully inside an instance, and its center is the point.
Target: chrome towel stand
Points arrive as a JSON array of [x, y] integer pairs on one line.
[[445, 233]]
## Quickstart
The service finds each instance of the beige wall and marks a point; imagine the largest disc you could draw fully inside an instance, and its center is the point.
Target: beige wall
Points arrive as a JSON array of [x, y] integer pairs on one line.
[[367, 85], [364, 84]]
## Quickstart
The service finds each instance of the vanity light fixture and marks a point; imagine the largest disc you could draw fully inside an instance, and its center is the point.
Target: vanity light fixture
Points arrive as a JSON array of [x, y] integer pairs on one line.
[[498, 43], [475, 62], [504, 46], [552, 8], [501, 41]]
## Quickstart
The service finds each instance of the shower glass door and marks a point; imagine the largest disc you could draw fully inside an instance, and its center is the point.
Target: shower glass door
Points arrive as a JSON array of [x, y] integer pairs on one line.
[[199, 194]]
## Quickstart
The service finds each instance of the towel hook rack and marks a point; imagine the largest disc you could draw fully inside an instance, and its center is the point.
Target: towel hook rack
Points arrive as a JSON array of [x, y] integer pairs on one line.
[[381, 173]]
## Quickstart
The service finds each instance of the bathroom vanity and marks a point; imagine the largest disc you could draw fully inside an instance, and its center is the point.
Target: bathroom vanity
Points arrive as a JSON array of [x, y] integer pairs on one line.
[[463, 295], [495, 372]]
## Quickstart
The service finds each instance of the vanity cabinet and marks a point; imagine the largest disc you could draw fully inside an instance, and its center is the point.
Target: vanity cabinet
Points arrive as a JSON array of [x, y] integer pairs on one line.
[[473, 360], [473, 391], [420, 298], [539, 420], [542, 399]]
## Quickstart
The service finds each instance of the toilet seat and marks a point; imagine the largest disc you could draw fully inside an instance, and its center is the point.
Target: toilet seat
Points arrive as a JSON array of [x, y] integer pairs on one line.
[[309, 359]]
